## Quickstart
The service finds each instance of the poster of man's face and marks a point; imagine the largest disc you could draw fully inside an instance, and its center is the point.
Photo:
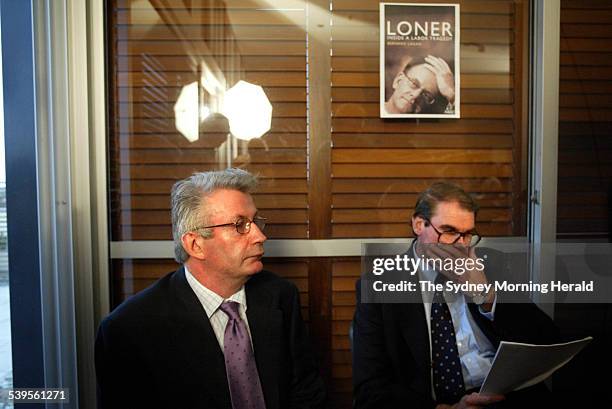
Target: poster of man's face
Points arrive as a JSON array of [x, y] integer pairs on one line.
[[419, 61]]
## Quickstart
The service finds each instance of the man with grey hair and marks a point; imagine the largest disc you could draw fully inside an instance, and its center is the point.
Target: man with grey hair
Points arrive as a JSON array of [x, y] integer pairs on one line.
[[219, 332]]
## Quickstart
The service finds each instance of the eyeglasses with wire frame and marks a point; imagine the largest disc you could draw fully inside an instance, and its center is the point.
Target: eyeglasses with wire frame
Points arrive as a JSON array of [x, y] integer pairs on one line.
[[469, 238], [242, 225]]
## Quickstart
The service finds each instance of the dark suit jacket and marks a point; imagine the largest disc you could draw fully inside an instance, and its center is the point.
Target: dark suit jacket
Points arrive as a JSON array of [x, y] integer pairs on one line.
[[158, 349], [391, 352]]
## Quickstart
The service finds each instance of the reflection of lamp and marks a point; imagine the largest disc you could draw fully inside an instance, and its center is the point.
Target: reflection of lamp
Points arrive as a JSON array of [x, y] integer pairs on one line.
[[186, 115], [248, 110]]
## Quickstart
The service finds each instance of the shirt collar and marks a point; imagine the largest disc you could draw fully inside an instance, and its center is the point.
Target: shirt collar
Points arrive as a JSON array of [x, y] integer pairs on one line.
[[210, 300]]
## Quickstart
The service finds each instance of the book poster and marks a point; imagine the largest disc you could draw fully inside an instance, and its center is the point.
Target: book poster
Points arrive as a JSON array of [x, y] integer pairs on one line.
[[419, 60]]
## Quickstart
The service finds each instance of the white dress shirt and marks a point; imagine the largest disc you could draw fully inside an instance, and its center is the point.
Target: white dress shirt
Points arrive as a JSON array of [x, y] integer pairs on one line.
[[476, 352], [211, 302]]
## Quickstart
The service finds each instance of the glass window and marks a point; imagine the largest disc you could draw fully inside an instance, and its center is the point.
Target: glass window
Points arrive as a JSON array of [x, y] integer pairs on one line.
[[6, 359], [174, 65]]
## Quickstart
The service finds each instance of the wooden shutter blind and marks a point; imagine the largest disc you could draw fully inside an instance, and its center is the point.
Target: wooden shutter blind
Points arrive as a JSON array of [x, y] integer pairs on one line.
[[157, 47], [585, 119]]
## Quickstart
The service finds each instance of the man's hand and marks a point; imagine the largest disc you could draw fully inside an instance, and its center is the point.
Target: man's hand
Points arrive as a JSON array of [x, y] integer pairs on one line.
[[473, 275], [444, 76], [474, 401]]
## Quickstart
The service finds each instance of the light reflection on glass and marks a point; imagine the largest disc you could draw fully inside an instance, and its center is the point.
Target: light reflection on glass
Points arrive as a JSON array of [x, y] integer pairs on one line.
[[248, 111], [187, 112]]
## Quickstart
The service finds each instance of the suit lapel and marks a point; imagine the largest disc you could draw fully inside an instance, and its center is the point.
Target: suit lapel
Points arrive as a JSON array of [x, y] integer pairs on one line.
[[265, 324], [196, 343], [415, 331]]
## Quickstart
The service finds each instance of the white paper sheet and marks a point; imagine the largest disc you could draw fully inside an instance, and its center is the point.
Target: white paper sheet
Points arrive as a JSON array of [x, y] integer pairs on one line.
[[518, 366]]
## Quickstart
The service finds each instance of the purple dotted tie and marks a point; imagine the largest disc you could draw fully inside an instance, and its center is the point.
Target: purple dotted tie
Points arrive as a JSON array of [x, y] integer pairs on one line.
[[242, 377]]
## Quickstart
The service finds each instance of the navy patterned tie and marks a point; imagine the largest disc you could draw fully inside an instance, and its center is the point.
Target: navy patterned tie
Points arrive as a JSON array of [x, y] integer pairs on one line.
[[242, 376], [447, 376]]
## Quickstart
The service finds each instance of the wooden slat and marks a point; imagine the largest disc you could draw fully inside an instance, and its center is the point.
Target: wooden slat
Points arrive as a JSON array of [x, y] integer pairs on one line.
[[226, 65], [417, 185], [347, 267], [584, 141], [271, 79], [468, 126], [210, 140], [157, 217], [585, 87], [585, 44], [166, 110], [406, 200], [441, 156], [421, 170], [580, 198], [587, 156], [160, 126], [582, 115], [170, 93], [341, 357], [163, 186], [569, 58], [586, 101], [197, 4], [468, 111], [287, 267], [596, 171], [590, 16], [491, 229], [343, 298], [342, 313], [277, 231], [229, 48], [567, 5], [183, 171], [586, 73], [203, 17], [423, 141], [210, 33], [403, 215], [587, 128], [586, 212], [196, 156], [603, 31]]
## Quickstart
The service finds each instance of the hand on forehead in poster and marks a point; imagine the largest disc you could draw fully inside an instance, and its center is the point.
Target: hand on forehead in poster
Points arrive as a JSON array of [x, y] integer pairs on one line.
[[444, 76]]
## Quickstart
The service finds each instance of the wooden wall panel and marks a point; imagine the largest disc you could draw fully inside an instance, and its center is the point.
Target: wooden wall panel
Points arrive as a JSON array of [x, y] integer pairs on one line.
[[585, 121]]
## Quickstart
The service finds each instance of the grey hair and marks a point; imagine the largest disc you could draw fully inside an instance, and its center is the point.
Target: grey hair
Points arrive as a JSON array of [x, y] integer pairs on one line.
[[188, 199]]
